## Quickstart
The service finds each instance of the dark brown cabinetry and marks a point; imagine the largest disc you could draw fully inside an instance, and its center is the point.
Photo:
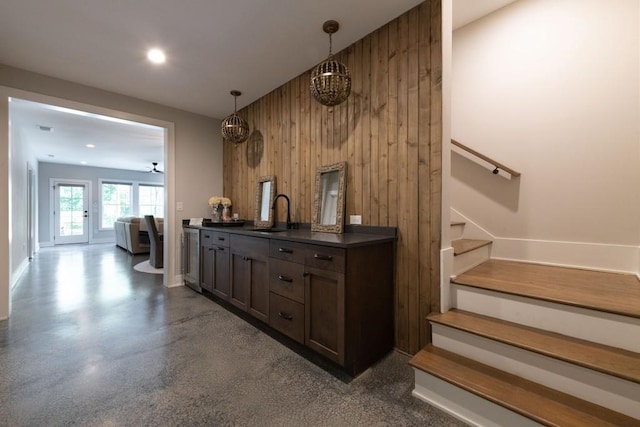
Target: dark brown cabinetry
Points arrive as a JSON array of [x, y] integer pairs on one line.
[[250, 275], [344, 294], [214, 264], [332, 294]]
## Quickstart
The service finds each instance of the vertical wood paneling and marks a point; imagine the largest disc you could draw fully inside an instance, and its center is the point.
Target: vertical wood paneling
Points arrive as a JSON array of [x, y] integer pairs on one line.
[[389, 132]]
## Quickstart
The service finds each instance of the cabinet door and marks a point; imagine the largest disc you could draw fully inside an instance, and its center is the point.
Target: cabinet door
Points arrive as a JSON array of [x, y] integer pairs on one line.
[[221, 283], [207, 262], [240, 273], [324, 313], [259, 289]]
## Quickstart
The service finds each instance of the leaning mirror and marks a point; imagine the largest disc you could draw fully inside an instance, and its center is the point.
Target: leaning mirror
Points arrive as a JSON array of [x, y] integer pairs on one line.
[[328, 203], [265, 192]]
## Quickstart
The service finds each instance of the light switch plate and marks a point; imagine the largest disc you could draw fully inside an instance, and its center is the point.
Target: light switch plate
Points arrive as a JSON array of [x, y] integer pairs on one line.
[[355, 219], [179, 206]]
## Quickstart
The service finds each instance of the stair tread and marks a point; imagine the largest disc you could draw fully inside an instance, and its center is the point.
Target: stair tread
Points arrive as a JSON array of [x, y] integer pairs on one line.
[[537, 402], [609, 360], [607, 292], [462, 246]]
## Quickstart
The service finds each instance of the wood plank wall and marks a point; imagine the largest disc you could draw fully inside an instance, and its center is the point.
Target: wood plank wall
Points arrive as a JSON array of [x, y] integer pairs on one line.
[[389, 132]]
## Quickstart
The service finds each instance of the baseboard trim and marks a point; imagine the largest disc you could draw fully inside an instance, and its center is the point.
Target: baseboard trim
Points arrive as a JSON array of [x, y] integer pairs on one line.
[[17, 274], [177, 281], [45, 244]]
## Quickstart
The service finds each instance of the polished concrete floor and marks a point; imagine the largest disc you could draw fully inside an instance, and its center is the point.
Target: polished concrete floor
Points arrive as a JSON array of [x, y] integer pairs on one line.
[[93, 342]]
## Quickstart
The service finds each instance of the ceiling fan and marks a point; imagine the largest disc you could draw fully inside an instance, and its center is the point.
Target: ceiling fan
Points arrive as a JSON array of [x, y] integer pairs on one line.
[[155, 169]]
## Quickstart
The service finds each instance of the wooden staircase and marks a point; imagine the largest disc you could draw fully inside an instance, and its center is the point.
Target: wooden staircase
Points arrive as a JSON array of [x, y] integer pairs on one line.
[[530, 344]]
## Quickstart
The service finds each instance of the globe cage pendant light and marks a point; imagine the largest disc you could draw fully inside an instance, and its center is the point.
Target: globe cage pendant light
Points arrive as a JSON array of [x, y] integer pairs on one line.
[[330, 80], [234, 128]]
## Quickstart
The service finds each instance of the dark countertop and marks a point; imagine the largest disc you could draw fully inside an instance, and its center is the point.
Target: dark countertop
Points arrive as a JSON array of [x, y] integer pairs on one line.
[[354, 235]]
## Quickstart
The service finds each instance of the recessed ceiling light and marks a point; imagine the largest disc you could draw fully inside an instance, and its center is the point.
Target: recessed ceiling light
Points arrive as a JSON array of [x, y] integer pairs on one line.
[[90, 146], [50, 155], [156, 56], [83, 162]]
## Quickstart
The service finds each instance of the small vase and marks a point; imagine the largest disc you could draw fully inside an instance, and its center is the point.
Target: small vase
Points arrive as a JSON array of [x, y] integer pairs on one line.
[[226, 213], [216, 213]]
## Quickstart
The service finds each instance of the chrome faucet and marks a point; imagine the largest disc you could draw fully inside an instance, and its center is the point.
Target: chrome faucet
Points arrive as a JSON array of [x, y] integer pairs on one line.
[[289, 224]]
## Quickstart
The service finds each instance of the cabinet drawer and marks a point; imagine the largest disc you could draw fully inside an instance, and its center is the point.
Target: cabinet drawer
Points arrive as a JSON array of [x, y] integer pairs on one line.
[[288, 251], [286, 279], [257, 247], [287, 317], [214, 238], [325, 257]]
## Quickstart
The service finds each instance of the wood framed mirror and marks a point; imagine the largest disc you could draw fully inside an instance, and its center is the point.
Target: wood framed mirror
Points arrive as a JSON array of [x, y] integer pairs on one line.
[[328, 203], [265, 192]]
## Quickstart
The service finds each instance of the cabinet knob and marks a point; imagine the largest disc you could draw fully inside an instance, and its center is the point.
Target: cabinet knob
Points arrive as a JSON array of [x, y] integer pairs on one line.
[[323, 257], [285, 278], [285, 316]]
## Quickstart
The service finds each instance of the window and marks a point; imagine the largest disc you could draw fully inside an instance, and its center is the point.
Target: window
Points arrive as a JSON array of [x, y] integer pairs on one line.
[[129, 199], [151, 200], [116, 202]]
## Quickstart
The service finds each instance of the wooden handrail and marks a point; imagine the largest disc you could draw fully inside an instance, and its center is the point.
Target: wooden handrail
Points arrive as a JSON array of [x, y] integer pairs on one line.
[[496, 164]]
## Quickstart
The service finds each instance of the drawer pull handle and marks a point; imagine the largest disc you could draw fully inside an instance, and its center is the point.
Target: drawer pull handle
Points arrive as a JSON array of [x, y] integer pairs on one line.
[[246, 258], [210, 249], [285, 316], [323, 257], [206, 236], [220, 248], [221, 238], [285, 278], [285, 250]]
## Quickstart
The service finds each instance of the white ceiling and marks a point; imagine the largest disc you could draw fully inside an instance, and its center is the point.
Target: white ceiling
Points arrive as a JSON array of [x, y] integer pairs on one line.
[[212, 46]]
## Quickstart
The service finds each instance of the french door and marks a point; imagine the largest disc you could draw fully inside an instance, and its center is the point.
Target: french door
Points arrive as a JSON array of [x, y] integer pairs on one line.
[[71, 212]]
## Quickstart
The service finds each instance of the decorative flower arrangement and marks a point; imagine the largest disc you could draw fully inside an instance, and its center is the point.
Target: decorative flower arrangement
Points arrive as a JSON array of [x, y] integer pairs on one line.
[[220, 208], [217, 200]]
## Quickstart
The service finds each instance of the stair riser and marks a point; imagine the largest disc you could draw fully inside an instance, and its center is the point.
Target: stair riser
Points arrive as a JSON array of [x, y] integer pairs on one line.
[[464, 405], [604, 328], [620, 395], [456, 231], [468, 260]]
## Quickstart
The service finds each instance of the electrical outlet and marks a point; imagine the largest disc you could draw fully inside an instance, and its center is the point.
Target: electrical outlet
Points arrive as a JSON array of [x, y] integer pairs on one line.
[[355, 219]]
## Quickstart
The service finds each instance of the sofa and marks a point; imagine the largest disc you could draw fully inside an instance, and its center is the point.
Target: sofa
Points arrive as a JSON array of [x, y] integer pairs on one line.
[[131, 234]]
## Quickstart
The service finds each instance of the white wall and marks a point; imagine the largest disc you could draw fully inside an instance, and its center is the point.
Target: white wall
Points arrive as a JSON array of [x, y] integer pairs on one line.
[[551, 89], [21, 160], [196, 161], [46, 171]]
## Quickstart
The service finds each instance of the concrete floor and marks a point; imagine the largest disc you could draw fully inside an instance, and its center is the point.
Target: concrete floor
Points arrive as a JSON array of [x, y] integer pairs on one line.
[[93, 342]]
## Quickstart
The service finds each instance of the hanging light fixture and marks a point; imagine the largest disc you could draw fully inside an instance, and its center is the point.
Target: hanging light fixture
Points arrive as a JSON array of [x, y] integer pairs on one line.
[[234, 128], [330, 80]]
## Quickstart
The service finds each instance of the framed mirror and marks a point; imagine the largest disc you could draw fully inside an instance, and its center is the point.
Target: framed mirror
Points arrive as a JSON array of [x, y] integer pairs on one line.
[[328, 203], [265, 192]]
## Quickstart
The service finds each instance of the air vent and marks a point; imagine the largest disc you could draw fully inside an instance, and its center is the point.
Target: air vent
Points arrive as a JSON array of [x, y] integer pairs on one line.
[[45, 128]]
